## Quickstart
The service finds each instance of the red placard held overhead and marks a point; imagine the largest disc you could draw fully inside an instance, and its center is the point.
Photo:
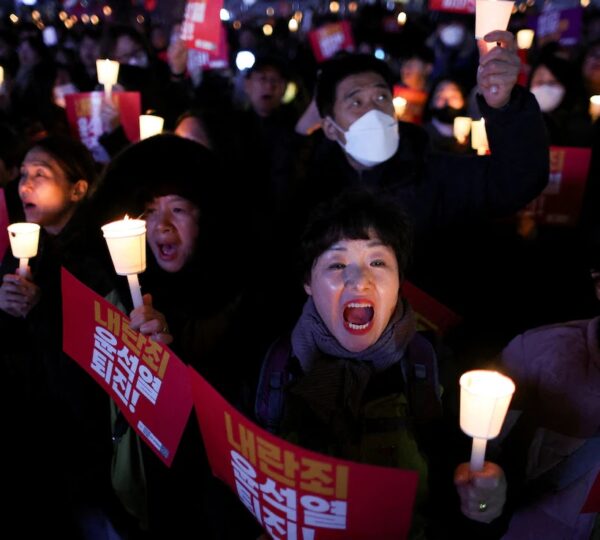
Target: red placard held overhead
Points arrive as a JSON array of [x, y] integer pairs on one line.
[[331, 38], [201, 27], [149, 384], [295, 493], [452, 6], [560, 202], [85, 122]]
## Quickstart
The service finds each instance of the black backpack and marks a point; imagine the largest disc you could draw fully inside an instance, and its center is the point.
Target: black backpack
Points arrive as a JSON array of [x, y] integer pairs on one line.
[[419, 369]]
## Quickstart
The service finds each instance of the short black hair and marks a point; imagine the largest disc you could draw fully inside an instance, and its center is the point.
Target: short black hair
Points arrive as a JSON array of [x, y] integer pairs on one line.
[[337, 69], [353, 215], [269, 61], [11, 149], [72, 156]]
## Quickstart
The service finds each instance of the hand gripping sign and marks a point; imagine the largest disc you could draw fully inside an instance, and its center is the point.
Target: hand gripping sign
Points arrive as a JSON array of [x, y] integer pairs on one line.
[[149, 384]]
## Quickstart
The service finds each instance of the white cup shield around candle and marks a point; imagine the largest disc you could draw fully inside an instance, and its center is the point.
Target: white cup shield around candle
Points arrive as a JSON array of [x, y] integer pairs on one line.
[[150, 125], [24, 238], [491, 15], [484, 400], [108, 71], [478, 135], [126, 241], [525, 38], [462, 127]]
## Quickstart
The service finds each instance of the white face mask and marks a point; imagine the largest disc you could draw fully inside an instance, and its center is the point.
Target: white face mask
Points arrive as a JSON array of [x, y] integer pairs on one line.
[[548, 96], [452, 35], [372, 139]]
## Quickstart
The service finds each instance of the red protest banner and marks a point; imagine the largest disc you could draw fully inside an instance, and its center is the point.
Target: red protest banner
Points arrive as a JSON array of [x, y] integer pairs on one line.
[[452, 6], [145, 379], [83, 114], [201, 27], [592, 504], [4, 222], [560, 202], [295, 493], [210, 60], [415, 103], [331, 38], [431, 315]]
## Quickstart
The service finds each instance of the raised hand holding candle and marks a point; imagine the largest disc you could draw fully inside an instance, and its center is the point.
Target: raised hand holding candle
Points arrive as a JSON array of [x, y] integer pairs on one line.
[[24, 239], [126, 240], [108, 74], [462, 128], [491, 15], [479, 140], [484, 400], [150, 125]]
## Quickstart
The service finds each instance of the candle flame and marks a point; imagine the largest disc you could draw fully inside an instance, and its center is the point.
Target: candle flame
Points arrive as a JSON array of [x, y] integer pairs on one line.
[[126, 217]]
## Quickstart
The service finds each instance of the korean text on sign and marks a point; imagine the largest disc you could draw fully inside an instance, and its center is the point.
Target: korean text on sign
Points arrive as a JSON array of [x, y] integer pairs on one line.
[[289, 496]]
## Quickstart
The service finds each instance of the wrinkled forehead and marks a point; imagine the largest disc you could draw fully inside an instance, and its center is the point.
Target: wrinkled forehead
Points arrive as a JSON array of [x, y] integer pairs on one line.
[[358, 82]]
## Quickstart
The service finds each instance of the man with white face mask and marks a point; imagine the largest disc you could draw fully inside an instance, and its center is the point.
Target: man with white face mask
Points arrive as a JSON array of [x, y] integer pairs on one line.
[[354, 98]]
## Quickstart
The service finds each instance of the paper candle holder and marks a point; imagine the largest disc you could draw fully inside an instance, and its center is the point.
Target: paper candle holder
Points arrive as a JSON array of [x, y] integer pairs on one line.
[[108, 74], [150, 125], [484, 400], [525, 38], [491, 15], [479, 140], [399, 106], [126, 240], [595, 107], [462, 128], [24, 239]]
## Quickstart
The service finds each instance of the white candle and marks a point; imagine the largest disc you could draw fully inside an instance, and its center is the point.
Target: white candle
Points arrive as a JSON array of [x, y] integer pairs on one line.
[[484, 400], [126, 240], [1, 75], [525, 38], [399, 106], [108, 74], [595, 107], [24, 239], [479, 140], [150, 125], [462, 128], [491, 15]]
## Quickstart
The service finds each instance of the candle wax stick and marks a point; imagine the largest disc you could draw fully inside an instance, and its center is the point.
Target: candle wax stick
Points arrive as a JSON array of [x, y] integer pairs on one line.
[[134, 287], [23, 267], [108, 91], [478, 454]]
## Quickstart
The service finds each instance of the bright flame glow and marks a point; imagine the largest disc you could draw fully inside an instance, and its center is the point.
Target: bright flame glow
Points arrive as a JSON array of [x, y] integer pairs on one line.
[[267, 29], [334, 6], [224, 14], [293, 25], [244, 60], [402, 18]]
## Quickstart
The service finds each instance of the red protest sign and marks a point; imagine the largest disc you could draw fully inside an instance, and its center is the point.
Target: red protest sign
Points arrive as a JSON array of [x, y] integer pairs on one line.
[[201, 27], [415, 103], [452, 6], [331, 38], [295, 493], [4, 222], [560, 202], [430, 314], [83, 114], [592, 504], [210, 60], [145, 379]]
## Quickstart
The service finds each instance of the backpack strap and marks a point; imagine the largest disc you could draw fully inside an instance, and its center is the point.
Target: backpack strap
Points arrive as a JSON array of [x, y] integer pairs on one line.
[[422, 380], [274, 375]]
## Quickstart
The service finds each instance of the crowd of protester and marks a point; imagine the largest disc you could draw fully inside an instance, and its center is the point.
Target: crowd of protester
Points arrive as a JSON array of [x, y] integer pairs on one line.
[[297, 220]]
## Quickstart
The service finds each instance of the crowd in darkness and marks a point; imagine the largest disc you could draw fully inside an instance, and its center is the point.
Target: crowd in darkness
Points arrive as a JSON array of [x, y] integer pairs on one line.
[[289, 202]]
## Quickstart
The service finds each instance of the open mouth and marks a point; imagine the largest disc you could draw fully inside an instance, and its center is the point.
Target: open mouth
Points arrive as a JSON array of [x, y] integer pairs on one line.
[[28, 206], [167, 252], [358, 316]]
